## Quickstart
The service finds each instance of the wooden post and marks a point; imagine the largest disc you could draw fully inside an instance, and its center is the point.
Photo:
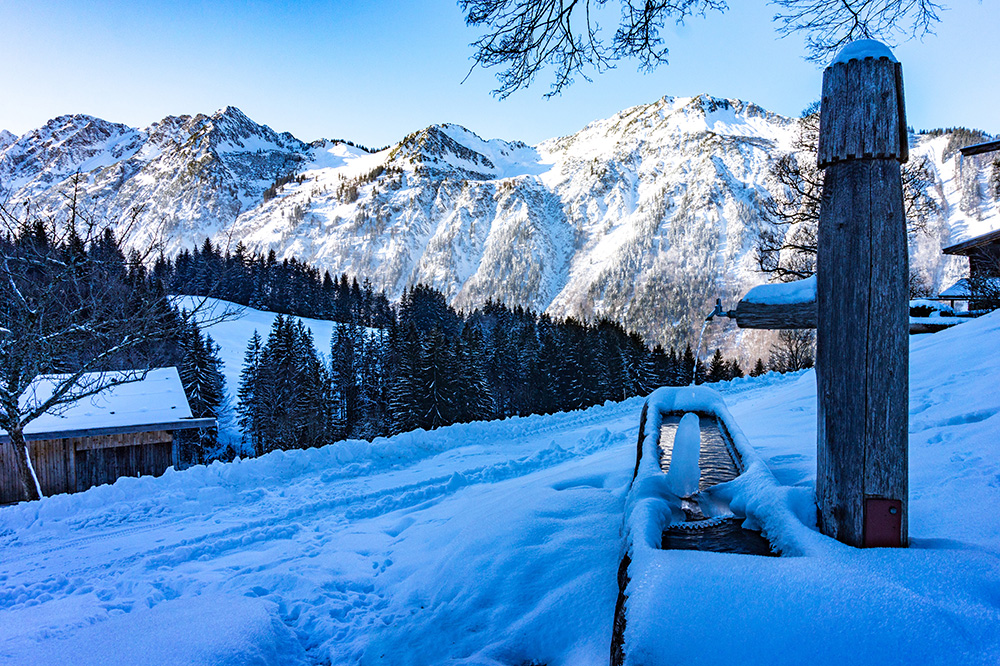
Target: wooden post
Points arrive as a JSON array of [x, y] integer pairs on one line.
[[862, 318]]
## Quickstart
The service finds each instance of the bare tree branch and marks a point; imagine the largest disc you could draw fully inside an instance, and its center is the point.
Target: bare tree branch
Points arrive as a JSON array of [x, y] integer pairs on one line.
[[528, 35], [523, 37], [830, 25], [76, 309]]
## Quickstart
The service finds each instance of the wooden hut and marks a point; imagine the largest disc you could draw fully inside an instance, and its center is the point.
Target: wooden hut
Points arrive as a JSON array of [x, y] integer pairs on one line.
[[983, 253], [982, 288], [126, 430]]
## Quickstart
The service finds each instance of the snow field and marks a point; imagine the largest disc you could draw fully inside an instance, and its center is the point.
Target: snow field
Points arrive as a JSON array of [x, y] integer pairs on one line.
[[499, 543], [484, 543], [937, 602]]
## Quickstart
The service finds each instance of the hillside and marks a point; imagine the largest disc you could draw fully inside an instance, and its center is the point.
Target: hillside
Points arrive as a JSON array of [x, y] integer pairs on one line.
[[498, 543], [645, 216]]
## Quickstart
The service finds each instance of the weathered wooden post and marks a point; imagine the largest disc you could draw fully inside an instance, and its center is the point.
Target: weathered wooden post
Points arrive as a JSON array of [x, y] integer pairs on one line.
[[861, 293]]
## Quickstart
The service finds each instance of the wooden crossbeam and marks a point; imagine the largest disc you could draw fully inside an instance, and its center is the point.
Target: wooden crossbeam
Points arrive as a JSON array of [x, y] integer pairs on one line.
[[980, 148]]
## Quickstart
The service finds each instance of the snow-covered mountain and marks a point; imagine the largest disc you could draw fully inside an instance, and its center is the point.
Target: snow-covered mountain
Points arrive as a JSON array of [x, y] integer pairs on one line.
[[645, 217], [6, 138]]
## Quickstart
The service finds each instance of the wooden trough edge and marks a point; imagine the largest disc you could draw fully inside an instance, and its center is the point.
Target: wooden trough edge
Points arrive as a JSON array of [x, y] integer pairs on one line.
[[183, 424], [744, 456], [617, 656]]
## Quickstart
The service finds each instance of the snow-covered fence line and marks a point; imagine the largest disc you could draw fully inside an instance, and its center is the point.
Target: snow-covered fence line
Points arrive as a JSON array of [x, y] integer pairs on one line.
[[652, 506]]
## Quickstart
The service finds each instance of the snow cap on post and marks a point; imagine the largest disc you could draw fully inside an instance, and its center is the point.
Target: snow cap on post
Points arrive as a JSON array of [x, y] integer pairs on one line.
[[862, 114]]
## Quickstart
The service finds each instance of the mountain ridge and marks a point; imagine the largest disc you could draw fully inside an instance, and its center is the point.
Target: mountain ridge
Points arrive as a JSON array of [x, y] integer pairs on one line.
[[644, 217]]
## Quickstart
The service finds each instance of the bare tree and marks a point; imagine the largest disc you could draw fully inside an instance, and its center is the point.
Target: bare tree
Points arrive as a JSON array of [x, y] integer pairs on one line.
[[786, 246], [76, 308], [829, 25], [526, 36], [794, 350]]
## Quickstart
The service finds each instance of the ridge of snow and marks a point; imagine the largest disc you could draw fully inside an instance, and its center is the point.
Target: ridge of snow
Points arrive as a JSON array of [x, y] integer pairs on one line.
[[783, 293], [644, 217]]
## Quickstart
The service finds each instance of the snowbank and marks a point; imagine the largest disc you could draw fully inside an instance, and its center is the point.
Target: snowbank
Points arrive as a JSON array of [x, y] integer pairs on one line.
[[485, 543], [783, 293], [497, 543], [200, 631], [824, 602]]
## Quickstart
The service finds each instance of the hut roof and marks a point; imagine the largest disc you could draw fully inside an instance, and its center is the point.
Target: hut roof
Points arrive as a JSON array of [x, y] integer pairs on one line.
[[967, 247], [156, 402], [962, 290]]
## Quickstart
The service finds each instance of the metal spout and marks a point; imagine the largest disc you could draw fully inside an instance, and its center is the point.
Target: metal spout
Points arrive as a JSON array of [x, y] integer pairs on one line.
[[719, 312]]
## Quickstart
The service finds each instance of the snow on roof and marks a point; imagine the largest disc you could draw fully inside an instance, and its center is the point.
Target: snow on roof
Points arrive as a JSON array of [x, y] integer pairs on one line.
[[864, 48], [961, 288], [157, 399], [783, 293], [958, 290]]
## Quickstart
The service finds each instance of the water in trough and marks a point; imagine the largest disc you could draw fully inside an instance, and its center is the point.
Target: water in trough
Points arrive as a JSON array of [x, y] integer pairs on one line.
[[717, 464]]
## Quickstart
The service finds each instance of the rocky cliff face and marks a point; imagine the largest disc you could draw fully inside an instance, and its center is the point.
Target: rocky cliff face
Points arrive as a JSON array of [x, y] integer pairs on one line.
[[645, 217]]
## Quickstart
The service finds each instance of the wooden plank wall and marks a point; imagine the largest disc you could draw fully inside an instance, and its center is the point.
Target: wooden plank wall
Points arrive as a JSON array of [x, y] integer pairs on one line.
[[105, 465], [10, 487], [75, 464]]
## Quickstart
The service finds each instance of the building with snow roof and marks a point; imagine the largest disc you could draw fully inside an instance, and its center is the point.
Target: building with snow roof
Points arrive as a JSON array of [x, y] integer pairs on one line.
[[982, 287], [125, 430]]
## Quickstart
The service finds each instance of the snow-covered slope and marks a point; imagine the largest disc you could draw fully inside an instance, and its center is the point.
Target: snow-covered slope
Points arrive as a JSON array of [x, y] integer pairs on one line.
[[644, 217], [498, 543]]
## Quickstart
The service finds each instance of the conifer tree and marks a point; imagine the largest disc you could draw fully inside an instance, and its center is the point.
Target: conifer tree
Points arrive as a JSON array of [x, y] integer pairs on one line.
[[550, 363], [291, 390], [475, 398], [686, 367], [200, 371], [718, 369], [373, 401], [436, 384], [403, 393], [660, 366], [344, 357], [249, 413]]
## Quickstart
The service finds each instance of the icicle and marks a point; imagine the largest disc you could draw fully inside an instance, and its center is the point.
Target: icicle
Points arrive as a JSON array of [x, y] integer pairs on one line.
[[31, 468]]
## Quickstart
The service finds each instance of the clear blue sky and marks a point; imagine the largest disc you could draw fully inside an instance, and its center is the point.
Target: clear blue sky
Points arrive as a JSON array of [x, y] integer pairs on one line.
[[375, 71]]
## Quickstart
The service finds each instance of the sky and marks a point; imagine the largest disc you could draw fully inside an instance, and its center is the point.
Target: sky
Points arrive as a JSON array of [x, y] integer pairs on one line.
[[374, 71]]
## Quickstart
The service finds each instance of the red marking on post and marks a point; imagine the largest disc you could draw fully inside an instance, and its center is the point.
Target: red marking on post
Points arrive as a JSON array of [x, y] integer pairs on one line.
[[883, 523]]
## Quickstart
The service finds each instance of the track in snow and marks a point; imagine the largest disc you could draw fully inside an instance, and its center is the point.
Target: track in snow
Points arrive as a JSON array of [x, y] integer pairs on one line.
[[341, 558]]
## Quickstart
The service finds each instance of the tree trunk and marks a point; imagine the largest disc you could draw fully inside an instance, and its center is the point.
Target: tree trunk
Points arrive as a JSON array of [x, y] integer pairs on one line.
[[32, 490]]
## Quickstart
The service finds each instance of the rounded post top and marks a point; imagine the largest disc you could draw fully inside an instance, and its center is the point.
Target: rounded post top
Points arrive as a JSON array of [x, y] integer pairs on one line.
[[863, 115], [863, 48]]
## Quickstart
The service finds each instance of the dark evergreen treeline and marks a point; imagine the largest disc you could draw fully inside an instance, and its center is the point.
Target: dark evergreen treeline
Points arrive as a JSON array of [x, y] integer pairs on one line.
[[288, 286], [433, 366], [416, 364]]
